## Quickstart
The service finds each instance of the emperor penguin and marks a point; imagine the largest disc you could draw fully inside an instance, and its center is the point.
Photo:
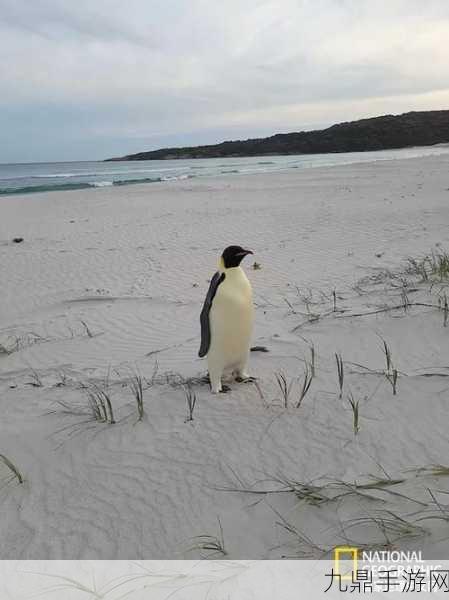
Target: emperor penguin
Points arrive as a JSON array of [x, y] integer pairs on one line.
[[227, 320]]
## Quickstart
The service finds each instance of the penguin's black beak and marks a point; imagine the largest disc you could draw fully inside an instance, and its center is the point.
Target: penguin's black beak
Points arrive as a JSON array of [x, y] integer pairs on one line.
[[244, 253]]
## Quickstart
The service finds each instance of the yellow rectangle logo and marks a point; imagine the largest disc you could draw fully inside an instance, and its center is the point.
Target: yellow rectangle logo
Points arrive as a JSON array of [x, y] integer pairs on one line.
[[344, 553]]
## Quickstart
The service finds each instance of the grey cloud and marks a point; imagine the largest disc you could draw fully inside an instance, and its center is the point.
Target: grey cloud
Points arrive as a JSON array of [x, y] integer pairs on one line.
[[65, 20], [91, 79]]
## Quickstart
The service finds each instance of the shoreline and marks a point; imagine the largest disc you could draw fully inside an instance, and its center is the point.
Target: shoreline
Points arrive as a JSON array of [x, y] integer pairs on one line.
[[64, 182]]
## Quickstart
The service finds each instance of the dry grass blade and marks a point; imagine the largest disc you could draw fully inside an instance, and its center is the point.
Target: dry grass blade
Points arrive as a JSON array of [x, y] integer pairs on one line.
[[405, 300], [312, 359], [442, 513], [380, 482], [150, 382], [445, 311], [387, 353], [436, 470], [306, 383], [377, 485], [340, 372], [392, 526], [393, 379], [391, 373], [190, 400], [328, 491], [306, 547], [284, 386], [289, 304], [12, 467], [307, 492], [88, 331], [444, 306], [355, 412]]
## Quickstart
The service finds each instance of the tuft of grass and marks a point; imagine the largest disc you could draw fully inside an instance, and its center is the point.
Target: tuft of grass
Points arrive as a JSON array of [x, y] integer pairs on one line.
[[14, 343], [136, 385], [391, 372], [190, 400], [100, 402], [306, 383], [340, 373], [439, 262], [435, 470], [377, 484], [355, 412], [433, 266], [12, 467], [307, 492], [213, 545], [442, 514], [62, 379], [317, 494], [36, 381], [417, 267], [392, 526], [284, 386]]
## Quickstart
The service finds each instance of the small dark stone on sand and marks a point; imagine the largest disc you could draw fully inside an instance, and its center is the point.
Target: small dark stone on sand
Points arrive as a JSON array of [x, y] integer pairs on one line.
[[259, 349], [17, 240]]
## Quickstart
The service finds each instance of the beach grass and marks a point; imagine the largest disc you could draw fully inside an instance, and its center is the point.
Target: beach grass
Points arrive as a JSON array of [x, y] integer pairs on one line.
[[12, 467]]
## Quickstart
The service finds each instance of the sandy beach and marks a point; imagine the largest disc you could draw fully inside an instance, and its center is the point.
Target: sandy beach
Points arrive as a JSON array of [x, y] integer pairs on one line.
[[108, 284]]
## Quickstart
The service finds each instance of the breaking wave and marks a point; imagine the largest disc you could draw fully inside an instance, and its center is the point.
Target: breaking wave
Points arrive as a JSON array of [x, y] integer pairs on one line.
[[60, 187]]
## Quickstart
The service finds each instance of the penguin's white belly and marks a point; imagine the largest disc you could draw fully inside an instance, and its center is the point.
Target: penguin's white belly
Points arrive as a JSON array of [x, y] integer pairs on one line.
[[231, 324]]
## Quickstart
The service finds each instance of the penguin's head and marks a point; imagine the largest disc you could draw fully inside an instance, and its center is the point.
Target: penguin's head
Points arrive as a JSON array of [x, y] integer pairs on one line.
[[233, 255]]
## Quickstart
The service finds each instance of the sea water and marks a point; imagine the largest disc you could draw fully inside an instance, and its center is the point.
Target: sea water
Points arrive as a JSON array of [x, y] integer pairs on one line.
[[61, 176]]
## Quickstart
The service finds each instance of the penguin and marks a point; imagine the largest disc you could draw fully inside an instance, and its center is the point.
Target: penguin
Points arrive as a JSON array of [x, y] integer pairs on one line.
[[227, 320]]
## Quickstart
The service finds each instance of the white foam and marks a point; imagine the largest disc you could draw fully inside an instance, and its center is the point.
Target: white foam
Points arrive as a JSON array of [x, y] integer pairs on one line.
[[102, 183]]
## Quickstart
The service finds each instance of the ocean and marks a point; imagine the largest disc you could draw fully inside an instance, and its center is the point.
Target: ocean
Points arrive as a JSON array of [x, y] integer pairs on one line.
[[61, 176]]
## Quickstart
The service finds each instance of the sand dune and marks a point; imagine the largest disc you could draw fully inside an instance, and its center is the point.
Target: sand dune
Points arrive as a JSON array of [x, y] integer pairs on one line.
[[109, 281]]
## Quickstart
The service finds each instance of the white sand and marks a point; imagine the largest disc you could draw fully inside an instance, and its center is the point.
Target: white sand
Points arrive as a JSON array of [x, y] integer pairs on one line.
[[134, 266]]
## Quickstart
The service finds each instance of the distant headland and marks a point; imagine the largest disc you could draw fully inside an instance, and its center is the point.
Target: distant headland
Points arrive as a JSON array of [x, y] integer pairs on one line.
[[424, 128]]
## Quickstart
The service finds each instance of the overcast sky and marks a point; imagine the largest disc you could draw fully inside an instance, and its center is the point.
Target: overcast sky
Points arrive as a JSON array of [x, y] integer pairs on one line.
[[87, 79]]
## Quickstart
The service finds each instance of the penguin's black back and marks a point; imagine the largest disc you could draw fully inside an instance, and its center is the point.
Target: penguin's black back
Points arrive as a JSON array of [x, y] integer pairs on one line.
[[204, 318]]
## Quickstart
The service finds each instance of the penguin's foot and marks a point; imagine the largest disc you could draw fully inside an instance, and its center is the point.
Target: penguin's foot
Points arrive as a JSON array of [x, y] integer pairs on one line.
[[247, 379], [225, 389]]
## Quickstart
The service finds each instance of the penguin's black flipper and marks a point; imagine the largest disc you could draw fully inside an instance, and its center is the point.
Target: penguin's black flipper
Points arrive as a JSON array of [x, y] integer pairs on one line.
[[204, 318]]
